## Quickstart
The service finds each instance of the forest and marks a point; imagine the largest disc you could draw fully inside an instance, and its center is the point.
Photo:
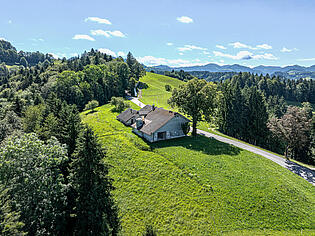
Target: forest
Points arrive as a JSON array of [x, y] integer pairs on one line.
[[40, 126], [253, 108]]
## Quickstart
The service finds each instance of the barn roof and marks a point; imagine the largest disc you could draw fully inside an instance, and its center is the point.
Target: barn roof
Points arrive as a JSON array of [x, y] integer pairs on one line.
[[145, 110], [158, 118], [127, 115]]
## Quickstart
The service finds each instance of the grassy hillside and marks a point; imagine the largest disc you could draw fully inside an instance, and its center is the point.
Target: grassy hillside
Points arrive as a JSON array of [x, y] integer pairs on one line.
[[199, 186], [156, 93]]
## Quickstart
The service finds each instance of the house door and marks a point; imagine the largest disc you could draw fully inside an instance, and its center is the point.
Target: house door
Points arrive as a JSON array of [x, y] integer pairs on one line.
[[161, 135]]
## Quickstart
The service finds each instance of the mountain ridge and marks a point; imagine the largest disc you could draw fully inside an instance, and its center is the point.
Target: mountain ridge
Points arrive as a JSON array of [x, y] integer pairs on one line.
[[261, 69]]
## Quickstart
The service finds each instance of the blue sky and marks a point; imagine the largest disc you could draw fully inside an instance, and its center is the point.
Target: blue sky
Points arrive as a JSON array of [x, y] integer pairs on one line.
[[173, 32]]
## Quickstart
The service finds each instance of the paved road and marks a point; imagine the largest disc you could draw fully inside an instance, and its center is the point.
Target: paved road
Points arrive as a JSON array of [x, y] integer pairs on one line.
[[302, 171]]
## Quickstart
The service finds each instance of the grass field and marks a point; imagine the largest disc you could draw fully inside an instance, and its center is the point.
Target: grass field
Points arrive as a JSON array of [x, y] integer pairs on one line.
[[156, 93], [199, 186]]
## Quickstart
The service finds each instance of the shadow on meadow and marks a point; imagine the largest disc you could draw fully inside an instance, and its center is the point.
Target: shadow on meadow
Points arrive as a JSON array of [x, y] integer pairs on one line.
[[199, 143]]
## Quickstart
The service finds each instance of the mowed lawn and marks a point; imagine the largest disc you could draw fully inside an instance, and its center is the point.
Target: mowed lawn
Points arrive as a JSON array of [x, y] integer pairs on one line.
[[199, 186], [156, 93]]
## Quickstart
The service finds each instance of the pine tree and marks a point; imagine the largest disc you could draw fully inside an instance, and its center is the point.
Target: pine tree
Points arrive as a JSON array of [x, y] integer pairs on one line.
[[95, 211]]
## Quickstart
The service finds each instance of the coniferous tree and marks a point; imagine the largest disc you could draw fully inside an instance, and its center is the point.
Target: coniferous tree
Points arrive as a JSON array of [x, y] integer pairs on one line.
[[96, 213]]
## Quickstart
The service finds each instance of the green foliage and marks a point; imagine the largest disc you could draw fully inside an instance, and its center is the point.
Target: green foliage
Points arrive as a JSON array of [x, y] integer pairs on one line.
[[295, 129], [9, 124], [91, 105], [196, 98], [119, 103], [168, 88], [95, 210], [199, 186], [136, 69], [149, 231], [9, 219], [29, 169], [33, 118]]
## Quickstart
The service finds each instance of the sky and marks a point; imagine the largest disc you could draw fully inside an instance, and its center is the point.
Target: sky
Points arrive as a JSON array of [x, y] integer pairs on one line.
[[168, 32]]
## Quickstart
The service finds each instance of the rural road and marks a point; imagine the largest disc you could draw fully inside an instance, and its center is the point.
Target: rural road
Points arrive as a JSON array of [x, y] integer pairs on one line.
[[302, 171]]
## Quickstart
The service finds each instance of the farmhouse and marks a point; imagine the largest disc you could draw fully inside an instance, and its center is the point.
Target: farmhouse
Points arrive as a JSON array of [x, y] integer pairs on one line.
[[155, 124]]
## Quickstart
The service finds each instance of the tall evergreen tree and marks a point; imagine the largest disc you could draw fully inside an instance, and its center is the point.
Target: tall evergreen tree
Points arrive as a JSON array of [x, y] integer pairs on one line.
[[96, 213]]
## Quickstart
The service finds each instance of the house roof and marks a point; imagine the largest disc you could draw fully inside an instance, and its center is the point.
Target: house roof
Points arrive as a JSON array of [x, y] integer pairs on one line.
[[127, 115], [145, 110], [158, 118]]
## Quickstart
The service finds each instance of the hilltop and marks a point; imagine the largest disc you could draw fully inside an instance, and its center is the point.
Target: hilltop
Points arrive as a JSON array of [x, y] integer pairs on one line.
[[199, 186]]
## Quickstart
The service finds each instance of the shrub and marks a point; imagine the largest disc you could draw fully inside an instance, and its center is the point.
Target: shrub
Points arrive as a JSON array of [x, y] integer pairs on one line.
[[91, 105], [168, 88], [119, 104]]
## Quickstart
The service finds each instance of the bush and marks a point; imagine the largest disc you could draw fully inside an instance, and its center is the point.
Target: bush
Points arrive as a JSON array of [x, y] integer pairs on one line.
[[119, 104], [168, 88], [91, 105]]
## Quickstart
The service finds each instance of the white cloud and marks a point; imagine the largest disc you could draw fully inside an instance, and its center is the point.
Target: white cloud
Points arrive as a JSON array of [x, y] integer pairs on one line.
[[190, 48], [121, 54], [83, 36], [284, 49], [154, 61], [10, 21], [38, 40], [3, 39], [245, 55], [242, 45], [264, 46], [107, 51], [185, 19], [98, 20], [169, 44], [180, 53], [108, 33], [307, 59], [100, 32], [206, 52], [117, 33], [57, 55], [221, 47]]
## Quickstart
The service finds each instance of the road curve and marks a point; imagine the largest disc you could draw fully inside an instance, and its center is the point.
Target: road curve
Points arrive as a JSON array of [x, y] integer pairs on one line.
[[304, 172]]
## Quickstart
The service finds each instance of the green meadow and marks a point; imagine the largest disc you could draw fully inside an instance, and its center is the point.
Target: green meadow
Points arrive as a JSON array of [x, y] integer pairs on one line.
[[156, 93], [199, 186]]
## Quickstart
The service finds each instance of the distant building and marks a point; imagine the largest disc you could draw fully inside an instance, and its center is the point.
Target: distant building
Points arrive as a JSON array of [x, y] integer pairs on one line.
[[154, 124]]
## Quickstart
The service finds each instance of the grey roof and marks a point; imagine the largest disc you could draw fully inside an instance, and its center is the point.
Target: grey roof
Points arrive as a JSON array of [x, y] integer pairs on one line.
[[158, 118], [127, 115], [145, 110]]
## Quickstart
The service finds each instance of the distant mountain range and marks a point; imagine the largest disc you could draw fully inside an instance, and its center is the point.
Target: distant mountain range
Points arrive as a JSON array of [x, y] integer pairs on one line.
[[289, 72], [212, 67]]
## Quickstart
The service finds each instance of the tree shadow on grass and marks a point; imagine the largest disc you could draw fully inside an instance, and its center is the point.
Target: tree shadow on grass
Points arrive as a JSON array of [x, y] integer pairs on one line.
[[302, 171], [90, 112], [199, 143]]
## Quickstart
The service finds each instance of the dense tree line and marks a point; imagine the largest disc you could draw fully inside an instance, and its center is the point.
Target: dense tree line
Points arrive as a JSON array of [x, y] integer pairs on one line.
[[181, 75], [253, 106], [212, 76], [40, 127], [10, 56]]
